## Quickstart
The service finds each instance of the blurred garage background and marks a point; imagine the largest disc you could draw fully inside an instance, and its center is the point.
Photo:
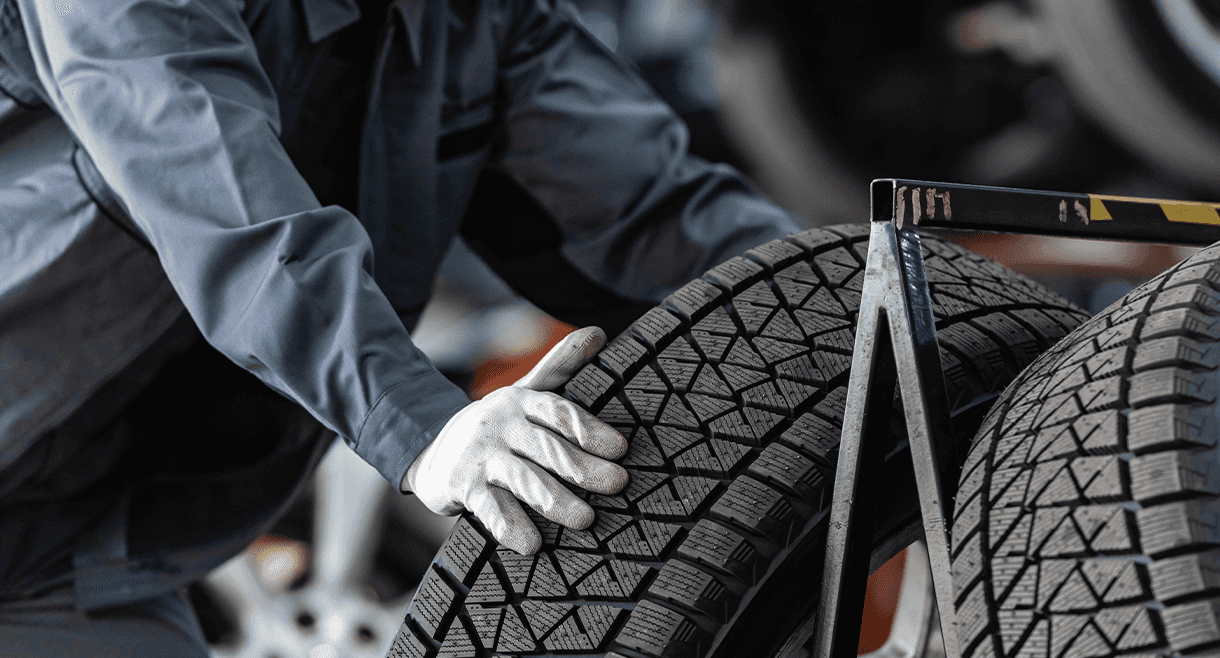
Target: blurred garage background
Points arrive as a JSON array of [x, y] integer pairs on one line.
[[812, 99]]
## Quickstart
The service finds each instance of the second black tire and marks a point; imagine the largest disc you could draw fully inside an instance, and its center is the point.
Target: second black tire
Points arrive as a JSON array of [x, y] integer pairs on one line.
[[1088, 516], [731, 394]]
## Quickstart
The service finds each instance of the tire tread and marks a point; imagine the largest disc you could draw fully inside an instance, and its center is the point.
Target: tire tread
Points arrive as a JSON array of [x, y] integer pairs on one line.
[[731, 393], [1090, 504]]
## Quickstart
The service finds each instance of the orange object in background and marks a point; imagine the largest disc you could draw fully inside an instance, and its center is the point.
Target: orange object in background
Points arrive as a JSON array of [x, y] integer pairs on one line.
[[880, 603], [1035, 255], [280, 560], [502, 370]]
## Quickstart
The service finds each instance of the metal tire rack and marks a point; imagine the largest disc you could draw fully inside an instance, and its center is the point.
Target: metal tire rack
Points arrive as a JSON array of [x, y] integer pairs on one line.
[[896, 352]]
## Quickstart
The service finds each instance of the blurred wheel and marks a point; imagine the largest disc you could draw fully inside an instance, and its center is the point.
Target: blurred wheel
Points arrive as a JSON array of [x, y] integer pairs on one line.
[[929, 90], [333, 579], [1091, 95], [1139, 69]]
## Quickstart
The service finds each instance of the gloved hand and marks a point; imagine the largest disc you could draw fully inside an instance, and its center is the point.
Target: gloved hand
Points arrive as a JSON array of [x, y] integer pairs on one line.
[[504, 445]]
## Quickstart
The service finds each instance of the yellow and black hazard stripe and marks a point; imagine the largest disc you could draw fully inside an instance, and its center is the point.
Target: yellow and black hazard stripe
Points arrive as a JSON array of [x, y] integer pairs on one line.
[[1011, 210], [1137, 209]]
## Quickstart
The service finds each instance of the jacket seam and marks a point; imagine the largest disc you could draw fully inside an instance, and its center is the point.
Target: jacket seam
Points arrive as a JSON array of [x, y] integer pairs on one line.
[[373, 409]]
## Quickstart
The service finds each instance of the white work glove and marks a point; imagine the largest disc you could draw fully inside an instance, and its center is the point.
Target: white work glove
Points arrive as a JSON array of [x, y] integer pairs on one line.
[[503, 445]]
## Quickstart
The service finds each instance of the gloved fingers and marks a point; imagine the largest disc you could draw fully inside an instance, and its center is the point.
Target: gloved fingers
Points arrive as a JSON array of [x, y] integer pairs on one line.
[[564, 360], [535, 487], [502, 515], [557, 455], [568, 420]]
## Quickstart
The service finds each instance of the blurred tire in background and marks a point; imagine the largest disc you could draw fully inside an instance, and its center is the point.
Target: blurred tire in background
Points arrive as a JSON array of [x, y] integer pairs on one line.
[[1091, 96]]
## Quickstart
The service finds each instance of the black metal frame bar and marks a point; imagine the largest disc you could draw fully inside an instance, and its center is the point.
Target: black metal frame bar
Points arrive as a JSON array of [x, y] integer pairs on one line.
[[1010, 210], [896, 351]]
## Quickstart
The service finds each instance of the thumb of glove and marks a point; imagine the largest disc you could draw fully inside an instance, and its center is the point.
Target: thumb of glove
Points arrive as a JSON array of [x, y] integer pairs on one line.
[[562, 362]]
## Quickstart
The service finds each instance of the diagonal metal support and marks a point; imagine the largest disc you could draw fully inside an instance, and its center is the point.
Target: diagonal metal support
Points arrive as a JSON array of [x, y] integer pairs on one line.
[[895, 349]]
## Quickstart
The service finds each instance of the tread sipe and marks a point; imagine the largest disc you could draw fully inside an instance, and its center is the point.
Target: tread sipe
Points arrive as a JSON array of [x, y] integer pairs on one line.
[[731, 394], [1088, 518]]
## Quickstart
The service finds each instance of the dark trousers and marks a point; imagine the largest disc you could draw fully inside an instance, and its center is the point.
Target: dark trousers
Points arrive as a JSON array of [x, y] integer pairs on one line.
[[180, 460], [63, 487], [162, 627]]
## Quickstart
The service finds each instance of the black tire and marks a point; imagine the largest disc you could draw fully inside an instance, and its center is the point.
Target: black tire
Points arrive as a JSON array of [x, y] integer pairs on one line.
[[1087, 519], [733, 410]]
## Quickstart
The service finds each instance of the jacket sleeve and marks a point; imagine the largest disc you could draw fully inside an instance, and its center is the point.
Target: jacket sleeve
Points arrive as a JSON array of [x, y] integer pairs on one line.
[[170, 101], [606, 158]]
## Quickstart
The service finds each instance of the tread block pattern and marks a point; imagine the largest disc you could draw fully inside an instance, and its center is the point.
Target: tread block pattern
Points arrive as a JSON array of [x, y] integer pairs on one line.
[[689, 587], [407, 645], [731, 395], [622, 356], [751, 505], [694, 300], [735, 274], [1090, 505], [659, 631], [591, 387], [776, 254], [715, 546], [432, 609], [656, 327]]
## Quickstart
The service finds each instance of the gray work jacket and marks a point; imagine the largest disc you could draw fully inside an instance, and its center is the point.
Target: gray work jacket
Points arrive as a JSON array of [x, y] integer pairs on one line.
[[176, 123]]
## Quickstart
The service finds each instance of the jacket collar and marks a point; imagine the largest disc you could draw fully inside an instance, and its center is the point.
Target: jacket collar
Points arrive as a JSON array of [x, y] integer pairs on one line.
[[325, 17]]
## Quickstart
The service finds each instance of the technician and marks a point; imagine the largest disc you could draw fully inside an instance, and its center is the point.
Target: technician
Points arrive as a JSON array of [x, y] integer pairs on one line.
[[282, 178]]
